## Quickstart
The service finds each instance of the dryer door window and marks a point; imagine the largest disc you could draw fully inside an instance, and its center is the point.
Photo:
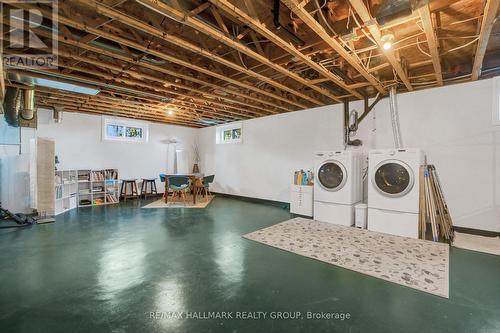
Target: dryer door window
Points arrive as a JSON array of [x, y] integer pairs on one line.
[[393, 178], [332, 176]]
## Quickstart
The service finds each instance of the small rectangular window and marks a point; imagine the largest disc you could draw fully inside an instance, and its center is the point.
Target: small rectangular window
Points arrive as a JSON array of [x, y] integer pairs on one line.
[[114, 131], [133, 132], [229, 133], [236, 133], [124, 130]]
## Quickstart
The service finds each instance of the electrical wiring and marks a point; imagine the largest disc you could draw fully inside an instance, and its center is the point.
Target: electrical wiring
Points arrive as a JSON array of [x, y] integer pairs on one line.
[[323, 18], [407, 38], [420, 49], [351, 13], [460, 47], [458, 37], [463, 21]]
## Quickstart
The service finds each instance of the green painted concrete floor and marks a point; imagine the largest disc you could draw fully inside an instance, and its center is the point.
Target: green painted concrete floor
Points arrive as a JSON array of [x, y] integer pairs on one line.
[[106, 269]]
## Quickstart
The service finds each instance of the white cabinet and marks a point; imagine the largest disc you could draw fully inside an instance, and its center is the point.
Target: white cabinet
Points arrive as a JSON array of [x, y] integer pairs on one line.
[[301, 200]]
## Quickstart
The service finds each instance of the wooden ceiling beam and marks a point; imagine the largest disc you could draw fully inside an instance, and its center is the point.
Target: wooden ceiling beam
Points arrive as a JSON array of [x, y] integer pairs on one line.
[[50, 99], [137, 62], [260, 28], [199, 9], [120, 101], [210, 31], [318, 29], [54, 75], [161, 109], [187, 117], [115, 113], [222, 25], [489, 16], [360, 8], [235, 111], [161, 55], [179, 42], [432, 41], [142, 76]]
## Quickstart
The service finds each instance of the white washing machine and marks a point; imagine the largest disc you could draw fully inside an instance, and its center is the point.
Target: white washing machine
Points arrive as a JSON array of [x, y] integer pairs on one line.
[[393, 190], [338, 185]]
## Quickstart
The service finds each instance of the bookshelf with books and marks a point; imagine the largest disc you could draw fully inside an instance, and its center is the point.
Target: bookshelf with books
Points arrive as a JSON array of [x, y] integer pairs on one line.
[[65, 190], [98, 187]]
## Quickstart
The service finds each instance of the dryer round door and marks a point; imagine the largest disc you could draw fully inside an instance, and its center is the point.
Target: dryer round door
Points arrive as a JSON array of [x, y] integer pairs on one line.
[[332, 175], [393, 178]]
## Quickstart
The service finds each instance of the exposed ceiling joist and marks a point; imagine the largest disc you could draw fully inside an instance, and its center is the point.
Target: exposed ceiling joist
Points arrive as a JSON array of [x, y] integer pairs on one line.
[[489, 16], [161, 69], [208, 30], [360, 8], [138, 24], [161, 55], [216, 60], [432, 41], [298, 9]]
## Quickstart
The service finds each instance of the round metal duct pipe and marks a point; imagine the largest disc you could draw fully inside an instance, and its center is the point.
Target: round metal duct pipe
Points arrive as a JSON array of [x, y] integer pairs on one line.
[[28, 110], [57, 114]]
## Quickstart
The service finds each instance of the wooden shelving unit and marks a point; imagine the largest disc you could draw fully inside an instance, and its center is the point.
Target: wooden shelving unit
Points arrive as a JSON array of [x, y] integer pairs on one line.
[[98, 187]]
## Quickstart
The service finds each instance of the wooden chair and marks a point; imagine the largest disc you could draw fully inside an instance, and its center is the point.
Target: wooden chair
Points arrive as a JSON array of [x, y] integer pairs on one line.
[[179, 185], [205, 189]]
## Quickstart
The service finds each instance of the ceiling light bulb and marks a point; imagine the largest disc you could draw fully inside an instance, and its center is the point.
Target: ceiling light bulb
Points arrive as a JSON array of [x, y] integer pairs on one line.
[[387, 40], [170, 112]]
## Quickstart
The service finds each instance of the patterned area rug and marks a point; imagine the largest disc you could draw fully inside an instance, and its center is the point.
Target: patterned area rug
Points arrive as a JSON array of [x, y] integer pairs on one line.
[[413, 263], [200, 203]]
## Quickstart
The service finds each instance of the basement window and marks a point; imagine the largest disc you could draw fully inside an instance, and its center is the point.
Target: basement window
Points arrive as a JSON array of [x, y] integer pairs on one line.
[[124, 130], [229, 133]]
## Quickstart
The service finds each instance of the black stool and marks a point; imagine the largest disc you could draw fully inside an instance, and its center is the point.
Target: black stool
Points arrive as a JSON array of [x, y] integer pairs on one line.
[[152, 187], [133, 189]]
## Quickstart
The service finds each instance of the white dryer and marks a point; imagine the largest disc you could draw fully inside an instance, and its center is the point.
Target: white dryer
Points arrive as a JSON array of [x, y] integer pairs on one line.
[[393, 190], [338, 185]]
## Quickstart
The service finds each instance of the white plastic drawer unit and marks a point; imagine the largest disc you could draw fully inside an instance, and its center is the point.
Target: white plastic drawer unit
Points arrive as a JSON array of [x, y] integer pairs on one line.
[[301, 200]]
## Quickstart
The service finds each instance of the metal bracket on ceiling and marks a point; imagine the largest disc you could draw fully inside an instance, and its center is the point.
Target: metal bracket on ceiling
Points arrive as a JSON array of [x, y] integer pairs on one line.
[[368, 107]]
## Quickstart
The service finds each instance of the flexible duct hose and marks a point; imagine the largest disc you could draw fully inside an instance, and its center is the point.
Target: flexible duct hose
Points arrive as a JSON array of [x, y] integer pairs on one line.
[[393, 106], [12, 105]]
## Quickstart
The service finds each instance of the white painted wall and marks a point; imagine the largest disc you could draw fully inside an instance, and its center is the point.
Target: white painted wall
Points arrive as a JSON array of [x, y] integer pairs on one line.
[[272, 149], [79, 146], [14, 173], [452, 124]]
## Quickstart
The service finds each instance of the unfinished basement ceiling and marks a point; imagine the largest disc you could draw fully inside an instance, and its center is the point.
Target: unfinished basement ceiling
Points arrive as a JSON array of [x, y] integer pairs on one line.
[[215, 61]]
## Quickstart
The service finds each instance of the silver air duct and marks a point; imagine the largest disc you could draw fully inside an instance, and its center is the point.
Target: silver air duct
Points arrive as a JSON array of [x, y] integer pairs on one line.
[[57, 114], [393, 107], [19, 103], [12, 105], [28, 110]]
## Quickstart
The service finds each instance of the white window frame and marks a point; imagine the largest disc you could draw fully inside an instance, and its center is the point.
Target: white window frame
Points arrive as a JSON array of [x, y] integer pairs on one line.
[[219, 132], [125, 123], [495, 114]]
